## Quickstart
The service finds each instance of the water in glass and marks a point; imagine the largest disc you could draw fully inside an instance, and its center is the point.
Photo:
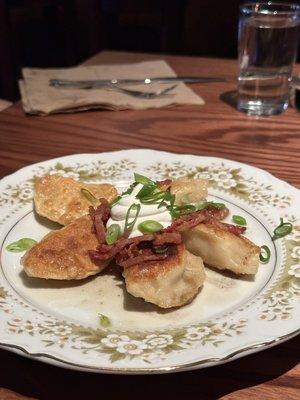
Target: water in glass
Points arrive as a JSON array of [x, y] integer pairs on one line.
[[267, 51]]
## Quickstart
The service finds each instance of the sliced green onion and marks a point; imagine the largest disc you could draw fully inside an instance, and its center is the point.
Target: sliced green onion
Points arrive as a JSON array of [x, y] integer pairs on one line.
[[239, 220], [115, 201], [175, 213], [150, 226], [132, 213], [172, 208], [265, 254], [89, 196], [112, 233], [104, 321], [186, 209], [21, 245], [206, 204], [146, 191], [172, 201], [160, 249], [167, 198], [155, 198], [282, 230], [143, 179], [130, 189]]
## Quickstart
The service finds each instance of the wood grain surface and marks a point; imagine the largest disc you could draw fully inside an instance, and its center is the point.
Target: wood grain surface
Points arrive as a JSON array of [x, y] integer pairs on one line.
[[215, 129]]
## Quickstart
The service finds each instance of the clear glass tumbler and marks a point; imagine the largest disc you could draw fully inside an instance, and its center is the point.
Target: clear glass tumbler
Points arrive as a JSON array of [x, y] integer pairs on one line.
[[268, 42]]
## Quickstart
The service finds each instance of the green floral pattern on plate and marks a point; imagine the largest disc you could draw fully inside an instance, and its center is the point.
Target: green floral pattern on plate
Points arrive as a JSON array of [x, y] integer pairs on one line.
[[276, 303], [227, 179]]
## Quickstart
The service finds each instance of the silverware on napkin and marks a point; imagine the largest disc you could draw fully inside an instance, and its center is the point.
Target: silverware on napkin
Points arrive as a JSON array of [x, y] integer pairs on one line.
[[98, 83]]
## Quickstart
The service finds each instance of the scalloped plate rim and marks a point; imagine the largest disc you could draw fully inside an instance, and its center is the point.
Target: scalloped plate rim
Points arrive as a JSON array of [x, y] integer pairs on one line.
[[198, 364]]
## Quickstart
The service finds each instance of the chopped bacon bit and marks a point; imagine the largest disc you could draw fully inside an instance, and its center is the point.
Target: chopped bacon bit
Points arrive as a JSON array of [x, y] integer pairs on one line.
[[164, 185], [100, 216], [142, 255], [191, 220], [143, 248], [236, 230], [104, 209], [137, 248], [141, 259], [105, 251], [216, 213], [99, 228], [186, 222], [167, 238]]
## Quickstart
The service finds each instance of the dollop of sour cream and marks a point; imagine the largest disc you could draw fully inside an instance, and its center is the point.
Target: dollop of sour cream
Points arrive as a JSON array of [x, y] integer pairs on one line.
[[147, 212]]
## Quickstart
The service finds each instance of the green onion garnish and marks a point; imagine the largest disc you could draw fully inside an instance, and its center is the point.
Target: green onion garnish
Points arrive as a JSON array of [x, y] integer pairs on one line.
[[237, 219], [168, 197], [112, 233], [132, 213], [150, 226], [175, 213], [130, 189], [104, 320], [21, 245], [146, 191], [155, 198], [172, 201], [89, 196], [115, 201], [186, 209], [265, 254], [207, 204], [282, 230], [160, 249], [143, 180]]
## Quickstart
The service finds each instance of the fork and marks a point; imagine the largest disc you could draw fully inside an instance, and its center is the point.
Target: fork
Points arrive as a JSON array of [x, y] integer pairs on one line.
[[143, 95]]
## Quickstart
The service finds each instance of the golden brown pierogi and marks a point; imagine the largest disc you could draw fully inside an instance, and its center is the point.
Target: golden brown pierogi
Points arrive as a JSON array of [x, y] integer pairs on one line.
[[167, 283], [61, 199], [222, 249], [63, 254], [187, 190]]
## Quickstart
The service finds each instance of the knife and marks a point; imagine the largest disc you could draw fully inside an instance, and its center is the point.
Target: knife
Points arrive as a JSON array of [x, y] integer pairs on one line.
[[98, 83]]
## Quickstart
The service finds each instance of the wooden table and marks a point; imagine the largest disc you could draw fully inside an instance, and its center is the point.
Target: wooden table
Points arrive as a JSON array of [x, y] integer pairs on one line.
[[215, 129]]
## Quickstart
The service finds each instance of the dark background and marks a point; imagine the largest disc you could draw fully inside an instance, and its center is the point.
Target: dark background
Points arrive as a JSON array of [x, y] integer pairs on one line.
[[57, 33]]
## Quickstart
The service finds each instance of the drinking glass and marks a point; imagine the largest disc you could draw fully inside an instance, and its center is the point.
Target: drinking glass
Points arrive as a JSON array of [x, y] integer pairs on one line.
[[268, 41]]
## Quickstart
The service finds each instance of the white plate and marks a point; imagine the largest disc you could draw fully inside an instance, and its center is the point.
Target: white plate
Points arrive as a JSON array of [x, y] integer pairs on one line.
[[58, 322]]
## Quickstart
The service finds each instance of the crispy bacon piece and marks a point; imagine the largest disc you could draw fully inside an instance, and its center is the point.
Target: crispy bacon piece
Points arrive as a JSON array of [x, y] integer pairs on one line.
[[151, 247], [191, 220], [142, 255], [138, 248], [105, 251], [216, 213], [100, 216], [209, 215], [167, 238], [186, 222], [235, 229]]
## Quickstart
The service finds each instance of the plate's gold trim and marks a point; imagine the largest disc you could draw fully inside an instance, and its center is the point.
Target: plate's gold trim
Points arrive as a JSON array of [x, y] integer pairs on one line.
[[163, 370], [58, 357]]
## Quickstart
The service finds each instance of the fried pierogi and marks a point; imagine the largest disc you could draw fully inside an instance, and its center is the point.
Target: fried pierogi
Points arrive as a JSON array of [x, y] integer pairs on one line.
[[188, 190], [63, 254], [167, 283], [222, 249], [62, 200]]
